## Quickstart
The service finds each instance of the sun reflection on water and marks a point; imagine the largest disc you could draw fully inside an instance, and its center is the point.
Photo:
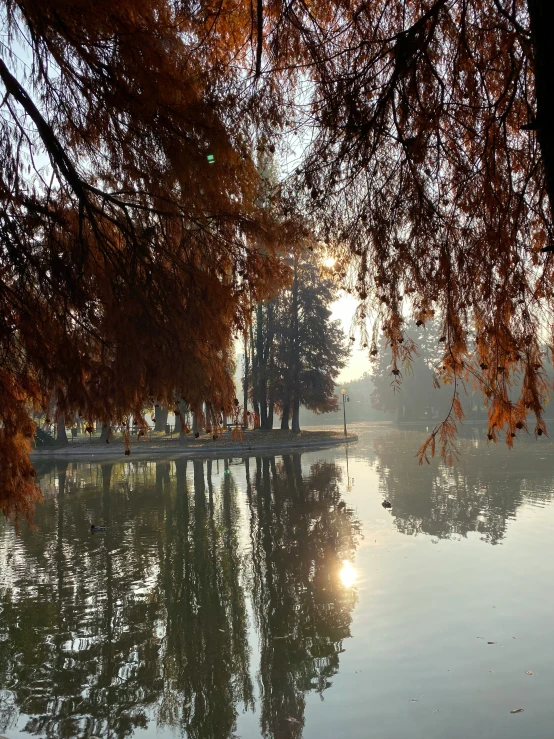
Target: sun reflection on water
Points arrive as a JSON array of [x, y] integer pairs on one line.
[[347, 574]]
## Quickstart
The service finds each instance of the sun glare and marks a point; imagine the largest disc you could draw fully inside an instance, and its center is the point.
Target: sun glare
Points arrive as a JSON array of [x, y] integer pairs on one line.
[[329, 262], [347, 574]]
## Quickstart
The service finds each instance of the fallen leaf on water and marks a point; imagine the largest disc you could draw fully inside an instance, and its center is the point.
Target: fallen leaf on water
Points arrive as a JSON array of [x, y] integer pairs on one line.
[[528, 672], [517, 710], [490, 670], [296, 721], [491, 642]]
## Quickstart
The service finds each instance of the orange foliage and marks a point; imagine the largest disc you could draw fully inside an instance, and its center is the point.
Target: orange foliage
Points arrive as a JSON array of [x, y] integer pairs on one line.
[[129, 262], [427, 180], [237, 434], [18, 490]]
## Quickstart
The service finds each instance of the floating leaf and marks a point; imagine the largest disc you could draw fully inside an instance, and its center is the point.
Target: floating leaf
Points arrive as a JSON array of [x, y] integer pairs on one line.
[[528, 672], [517, 710]]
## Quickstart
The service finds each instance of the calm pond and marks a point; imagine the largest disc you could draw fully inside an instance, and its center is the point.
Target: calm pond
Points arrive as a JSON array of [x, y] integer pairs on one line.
[[276, 597]]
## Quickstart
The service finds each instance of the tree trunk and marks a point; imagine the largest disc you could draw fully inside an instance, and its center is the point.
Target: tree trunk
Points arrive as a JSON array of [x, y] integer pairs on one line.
[[179, 420], [296, 414], [62, 436], [541, 14], [285, 418], [262, 367], [105, 431], [269, 365], [296, 354], [254, 361], [245, 382], [160, 414]]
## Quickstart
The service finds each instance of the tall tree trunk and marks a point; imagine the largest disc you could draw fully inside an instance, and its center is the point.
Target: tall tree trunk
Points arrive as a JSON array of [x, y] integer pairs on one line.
[[246, 379], [105, 431], [269, 365], [62, 435], [286, 417], [211, 417], [254, 361], [296, 354], [262, 367], [160, 414], [179, 420], [541, 14]]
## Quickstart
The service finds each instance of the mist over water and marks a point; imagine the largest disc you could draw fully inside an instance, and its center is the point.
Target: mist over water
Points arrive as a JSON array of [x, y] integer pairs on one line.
[[276, 597]]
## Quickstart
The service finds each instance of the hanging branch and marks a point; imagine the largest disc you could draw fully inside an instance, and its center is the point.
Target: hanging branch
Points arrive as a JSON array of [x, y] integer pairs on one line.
[[260, 18]]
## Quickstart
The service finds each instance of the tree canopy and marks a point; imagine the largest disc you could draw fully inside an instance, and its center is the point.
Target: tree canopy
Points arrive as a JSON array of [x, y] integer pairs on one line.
[[426, 172], [296, 350], [131, 229], [134, 220]]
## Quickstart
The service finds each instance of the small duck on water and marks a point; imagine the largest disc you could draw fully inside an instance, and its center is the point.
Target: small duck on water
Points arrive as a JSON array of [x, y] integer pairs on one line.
[[97, 528], [386, 504]]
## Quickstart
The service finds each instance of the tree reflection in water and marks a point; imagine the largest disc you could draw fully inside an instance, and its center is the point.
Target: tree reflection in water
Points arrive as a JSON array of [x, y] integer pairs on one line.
[[300, 538], [102, 634], [480, 494]]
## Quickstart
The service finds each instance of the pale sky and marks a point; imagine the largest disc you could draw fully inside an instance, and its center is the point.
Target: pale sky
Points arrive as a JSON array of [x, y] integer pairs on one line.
[[343, 309]]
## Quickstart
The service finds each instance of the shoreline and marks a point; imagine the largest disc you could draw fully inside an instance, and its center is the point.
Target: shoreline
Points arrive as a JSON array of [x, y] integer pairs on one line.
[[206, 448]]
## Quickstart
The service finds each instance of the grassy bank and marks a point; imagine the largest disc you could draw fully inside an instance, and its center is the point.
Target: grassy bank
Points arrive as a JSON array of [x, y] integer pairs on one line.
[[158, 442]]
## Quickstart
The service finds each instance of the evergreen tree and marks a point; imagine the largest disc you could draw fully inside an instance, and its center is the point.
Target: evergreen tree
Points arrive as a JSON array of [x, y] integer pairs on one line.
[[299, 351]]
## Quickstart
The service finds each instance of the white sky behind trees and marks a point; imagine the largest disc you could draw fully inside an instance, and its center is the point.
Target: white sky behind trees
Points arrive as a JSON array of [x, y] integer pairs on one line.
[[358, 362]]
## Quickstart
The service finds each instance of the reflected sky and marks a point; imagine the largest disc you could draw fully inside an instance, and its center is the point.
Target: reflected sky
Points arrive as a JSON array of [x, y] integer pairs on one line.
[[281, 600]]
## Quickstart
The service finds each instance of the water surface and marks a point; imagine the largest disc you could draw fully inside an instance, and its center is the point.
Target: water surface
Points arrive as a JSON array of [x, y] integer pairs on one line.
[[276, 597]]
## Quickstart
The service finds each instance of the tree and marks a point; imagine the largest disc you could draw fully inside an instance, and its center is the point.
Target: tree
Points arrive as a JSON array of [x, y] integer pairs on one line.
[[313, 346], [425, 172], [417, 393], [299, 351], [429, 170], [127, 176]]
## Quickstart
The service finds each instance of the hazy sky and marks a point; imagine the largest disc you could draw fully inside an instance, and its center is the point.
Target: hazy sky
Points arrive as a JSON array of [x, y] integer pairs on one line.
[[343, 309]]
